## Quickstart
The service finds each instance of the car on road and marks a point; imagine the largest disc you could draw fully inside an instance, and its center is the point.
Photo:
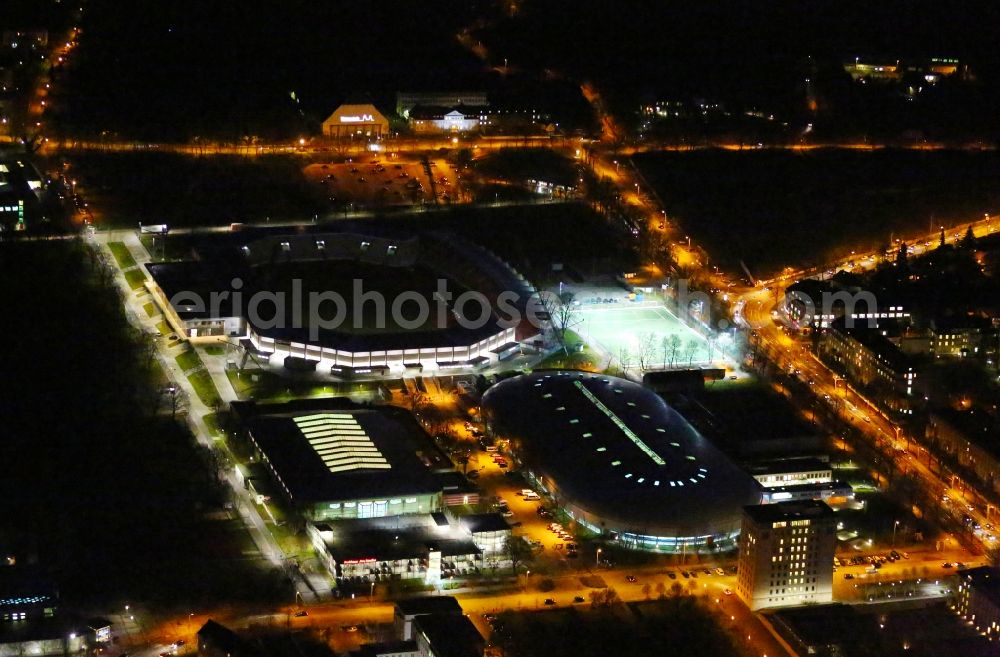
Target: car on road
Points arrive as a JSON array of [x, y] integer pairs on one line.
[[577, 599], [686, 574], [507, 513], [728, 591], [473, 475], [947, 564], [630, 578], [549, 601], [301, 614], [671, 574], [848, 576]]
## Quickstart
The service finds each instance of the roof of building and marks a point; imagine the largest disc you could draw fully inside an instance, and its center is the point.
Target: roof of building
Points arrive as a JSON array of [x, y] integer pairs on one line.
[[429, 604], [875, 340], [386, 648], [361, 541], [619, 452], [985, 580], [58, 627], [484, 522], [450, 635], [337, 451], [367, 113], [220, 636], [794, 510], [819, 626], [813, 487], [25, 586], [98, 623], [977, 425], [788, 466]]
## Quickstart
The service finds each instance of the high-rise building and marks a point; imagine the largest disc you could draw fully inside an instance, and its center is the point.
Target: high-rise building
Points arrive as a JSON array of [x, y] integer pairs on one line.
[[786, 554], [978, 599]]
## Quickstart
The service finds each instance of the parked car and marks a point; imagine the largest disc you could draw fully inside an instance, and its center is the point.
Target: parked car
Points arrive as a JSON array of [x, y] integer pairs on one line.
[[549, 601]]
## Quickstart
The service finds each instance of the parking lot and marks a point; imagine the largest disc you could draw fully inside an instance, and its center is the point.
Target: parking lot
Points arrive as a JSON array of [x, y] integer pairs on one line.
[[384, 181]]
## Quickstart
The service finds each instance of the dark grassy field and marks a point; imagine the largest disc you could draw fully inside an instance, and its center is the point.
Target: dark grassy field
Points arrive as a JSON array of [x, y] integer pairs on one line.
[[121, 502], [176, 70], [161, 188], [772, 209], [677, 625]]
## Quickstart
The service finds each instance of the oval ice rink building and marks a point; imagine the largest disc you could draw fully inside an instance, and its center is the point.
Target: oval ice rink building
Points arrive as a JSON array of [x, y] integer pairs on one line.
[[620, 461]]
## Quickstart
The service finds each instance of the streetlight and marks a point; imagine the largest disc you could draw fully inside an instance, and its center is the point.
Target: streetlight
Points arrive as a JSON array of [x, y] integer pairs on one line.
[[598, 558], [894, 525]]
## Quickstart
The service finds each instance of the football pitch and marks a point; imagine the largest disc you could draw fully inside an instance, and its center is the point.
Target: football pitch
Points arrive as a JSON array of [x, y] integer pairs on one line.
[[637, 329]]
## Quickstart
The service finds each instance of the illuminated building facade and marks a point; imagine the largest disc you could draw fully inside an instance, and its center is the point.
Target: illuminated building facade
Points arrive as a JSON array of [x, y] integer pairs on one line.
[[786, 554], [977, 599], [356, 121]]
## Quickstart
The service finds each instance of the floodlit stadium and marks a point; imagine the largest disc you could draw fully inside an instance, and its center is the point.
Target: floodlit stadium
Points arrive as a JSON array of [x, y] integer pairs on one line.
[[620, 461], [380, 279], [634, 328]]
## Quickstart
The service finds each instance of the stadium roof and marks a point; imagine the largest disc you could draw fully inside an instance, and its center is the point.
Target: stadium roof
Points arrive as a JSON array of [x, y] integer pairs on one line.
[[339, 453], [618, 451], [291, 267]]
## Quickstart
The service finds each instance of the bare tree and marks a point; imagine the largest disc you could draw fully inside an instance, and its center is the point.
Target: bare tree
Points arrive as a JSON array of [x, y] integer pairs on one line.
[[690, 349], [711, 343], [646, 351], [675, 346], [563, 314], [624, 357]]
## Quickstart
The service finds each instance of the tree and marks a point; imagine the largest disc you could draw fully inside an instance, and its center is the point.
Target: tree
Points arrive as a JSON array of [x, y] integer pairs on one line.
[[968, 240], [517, 551], [624, 356], [661, 590], [646, 350], [546, 584], [690, 349], [676, 590], [563, 315], [675, 347], [646, 590], [711, 343]]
